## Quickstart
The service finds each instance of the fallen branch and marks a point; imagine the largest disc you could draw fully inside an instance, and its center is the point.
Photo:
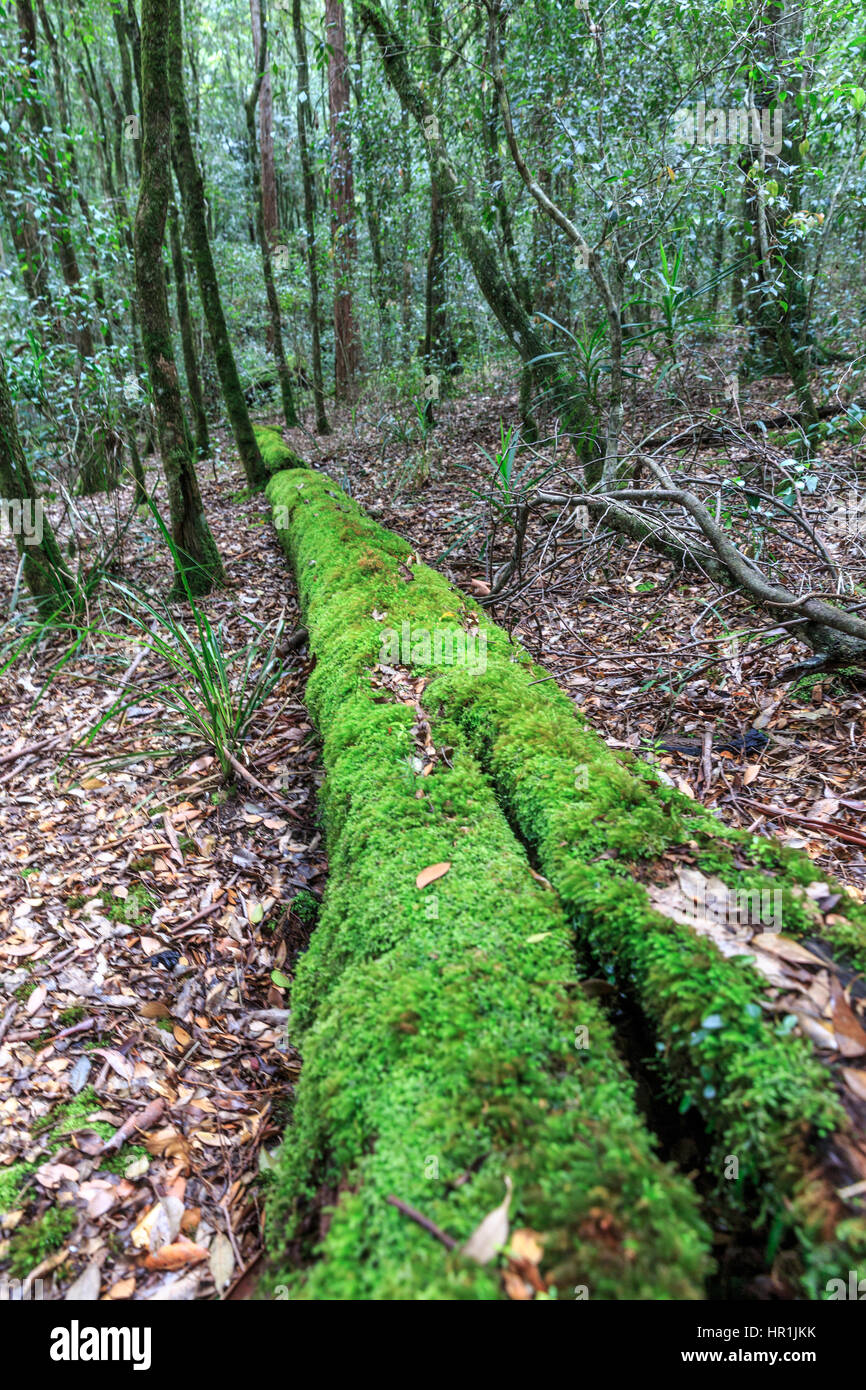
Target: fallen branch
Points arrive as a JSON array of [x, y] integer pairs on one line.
[[424, 1221]]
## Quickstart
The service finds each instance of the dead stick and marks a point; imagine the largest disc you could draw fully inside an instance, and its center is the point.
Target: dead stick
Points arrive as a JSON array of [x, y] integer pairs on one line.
[[199, 917], [260, 786], [424, 1221]]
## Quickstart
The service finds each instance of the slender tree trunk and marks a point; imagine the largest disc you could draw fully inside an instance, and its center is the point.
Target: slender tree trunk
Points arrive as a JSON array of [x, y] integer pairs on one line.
[[274, 317], [45, 573], [266, 133], [187, 336], [61, 222], [436, 355], [303, 109], [197, 560], [195, 216], [346, 345], [366, 151]]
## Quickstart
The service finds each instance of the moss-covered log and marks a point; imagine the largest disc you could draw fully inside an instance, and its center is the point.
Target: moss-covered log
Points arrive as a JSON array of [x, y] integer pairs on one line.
[[275, 453], [446, 1040], [609, 838]]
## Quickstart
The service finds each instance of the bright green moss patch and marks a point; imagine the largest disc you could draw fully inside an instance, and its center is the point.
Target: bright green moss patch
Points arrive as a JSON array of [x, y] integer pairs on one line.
[[446, 1042], [275, 452], [11, 1181], [602, 830], [33, 1242]]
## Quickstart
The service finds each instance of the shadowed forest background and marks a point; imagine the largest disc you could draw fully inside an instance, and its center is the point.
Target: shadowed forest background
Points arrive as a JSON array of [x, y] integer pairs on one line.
[[570, 297]]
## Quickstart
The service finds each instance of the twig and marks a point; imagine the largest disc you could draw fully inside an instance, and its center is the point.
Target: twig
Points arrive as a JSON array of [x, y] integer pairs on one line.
[[424, 1221], [199, 917], [260, 786], [9, 1015]]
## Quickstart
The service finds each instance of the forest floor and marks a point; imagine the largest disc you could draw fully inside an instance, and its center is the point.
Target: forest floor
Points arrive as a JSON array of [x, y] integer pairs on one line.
[[151, 919]]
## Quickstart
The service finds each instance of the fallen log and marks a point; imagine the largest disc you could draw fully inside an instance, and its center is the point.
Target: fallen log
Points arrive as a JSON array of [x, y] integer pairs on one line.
[[446, 1043], [607, 836]]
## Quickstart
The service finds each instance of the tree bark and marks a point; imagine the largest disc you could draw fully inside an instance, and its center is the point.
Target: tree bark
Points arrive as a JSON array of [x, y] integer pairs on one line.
[[346, 344], [195, 216], [187, 336], [197, 561], [290, 415], [266, 132], [303, 111]]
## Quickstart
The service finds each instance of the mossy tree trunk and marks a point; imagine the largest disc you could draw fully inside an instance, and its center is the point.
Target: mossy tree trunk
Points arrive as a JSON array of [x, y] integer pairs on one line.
[[303, 116], [45, 573], [197, 560], [290, 415], [192, 192], [187, 336]]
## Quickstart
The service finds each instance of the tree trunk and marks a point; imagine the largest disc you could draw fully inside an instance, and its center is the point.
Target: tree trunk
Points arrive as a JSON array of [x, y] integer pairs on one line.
[[266, 133], [303, 110], [187, 336], [275, 335], [197, 561], [346, 346], [195, 216], [45, 573]]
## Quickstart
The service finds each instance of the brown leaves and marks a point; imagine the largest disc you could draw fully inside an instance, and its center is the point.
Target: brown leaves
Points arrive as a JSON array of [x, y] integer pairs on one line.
[[850, 1037], [175, 1256]]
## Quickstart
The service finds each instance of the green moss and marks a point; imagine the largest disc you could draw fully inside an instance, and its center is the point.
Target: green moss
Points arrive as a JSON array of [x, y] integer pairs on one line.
[[32, 1243], [70, 1117], [598, 825], [275, 452], [119, 1162], [136, 909], [67, 1017], [11, 1180], [306, 907], [445, 1041]]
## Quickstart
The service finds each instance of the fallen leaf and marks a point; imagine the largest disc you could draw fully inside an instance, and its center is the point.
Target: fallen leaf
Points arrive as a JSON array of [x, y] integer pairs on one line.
[[849, 1034], [51, 1175], [430, 874], [175, 1256], [855, 1081], [491, 1235], [222, 1261], [526, 1244], [86, 1286], [124, 1288], [117, 1062]]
